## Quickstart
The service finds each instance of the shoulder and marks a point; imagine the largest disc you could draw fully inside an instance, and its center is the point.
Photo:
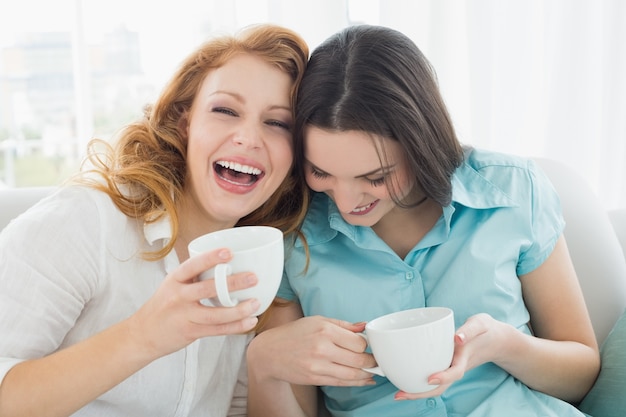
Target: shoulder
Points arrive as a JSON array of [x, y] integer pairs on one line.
[[520, 178], [534, 210], [494, 165], [75, 216], [57, 243], [69, 207]]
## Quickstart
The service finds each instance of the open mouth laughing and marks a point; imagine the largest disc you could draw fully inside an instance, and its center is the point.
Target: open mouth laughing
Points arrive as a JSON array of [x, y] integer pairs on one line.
[[237, 174]]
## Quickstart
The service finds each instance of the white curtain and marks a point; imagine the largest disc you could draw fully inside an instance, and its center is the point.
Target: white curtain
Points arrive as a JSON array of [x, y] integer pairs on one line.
[[530, 77]]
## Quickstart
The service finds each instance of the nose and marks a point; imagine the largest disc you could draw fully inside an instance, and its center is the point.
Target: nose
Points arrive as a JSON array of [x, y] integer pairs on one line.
[[347, 196], [249, 136]]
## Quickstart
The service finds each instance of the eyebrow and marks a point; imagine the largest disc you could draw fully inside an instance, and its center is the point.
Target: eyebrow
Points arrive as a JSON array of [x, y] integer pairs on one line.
[[242, 99], [376, 171], [228, 93]]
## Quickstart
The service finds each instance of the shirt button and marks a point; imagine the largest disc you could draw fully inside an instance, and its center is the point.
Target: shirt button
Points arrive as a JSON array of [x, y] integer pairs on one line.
[[431, 403], [409, 275]]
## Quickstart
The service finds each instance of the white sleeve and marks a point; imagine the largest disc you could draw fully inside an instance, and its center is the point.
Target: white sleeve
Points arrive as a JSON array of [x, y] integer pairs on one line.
[[49, 263]]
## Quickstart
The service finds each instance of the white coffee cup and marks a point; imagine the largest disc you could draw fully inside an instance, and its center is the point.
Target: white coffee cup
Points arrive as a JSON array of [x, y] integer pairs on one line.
[[411, 345], [257, 249]]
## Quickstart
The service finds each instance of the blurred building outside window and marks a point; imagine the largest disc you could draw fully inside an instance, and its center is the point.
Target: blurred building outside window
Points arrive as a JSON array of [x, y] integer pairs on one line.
[[72, 70]]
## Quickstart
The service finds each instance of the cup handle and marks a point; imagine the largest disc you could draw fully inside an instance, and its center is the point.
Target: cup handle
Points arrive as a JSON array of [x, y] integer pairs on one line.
[[221, 285], [375, 370]]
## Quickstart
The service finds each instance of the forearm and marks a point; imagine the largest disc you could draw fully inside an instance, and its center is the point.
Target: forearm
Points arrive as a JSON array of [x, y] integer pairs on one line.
[[65, 381], [276, 399], [563, 369], [271, 397]]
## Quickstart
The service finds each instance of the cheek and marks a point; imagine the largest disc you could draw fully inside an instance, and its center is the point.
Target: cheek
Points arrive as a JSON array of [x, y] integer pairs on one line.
[[314, 183], [403, 187], [192, 139], [381, 193], [196, 150], [282, 156]]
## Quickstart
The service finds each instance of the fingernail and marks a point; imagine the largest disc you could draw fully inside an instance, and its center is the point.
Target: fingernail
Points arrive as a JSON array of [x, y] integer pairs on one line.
[[460, 338], [434, 381], [223, 254], [251, 279]]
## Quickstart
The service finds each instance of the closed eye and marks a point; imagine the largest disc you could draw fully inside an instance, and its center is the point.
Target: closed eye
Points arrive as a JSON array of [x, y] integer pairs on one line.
[[224, 110], [376, 182], [318, 174], [373, 182], [278, 123]]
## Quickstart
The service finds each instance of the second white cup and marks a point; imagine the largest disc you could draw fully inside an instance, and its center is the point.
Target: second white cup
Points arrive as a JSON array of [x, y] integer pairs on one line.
[[257, 249], [411, 345]]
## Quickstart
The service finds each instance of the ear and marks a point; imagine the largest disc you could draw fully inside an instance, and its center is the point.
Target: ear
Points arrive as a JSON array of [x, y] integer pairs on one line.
[[183, 124]]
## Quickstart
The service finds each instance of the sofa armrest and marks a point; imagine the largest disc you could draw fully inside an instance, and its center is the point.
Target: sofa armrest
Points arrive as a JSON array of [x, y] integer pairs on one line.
[[618, 220], [606, 398]]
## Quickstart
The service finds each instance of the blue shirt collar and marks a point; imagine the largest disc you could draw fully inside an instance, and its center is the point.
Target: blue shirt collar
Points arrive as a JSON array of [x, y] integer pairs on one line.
[[471, 189]]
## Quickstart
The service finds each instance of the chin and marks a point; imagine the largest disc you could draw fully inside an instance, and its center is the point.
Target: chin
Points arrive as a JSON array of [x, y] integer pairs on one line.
[[237, 212]]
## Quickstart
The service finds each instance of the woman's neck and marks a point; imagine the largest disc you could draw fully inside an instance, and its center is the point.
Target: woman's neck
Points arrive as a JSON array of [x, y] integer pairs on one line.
[[403, 228], [192, 223]]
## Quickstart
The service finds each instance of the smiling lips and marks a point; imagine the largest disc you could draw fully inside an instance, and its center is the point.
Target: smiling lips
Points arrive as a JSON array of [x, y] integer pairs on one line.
[[238, 174], [359, 211]]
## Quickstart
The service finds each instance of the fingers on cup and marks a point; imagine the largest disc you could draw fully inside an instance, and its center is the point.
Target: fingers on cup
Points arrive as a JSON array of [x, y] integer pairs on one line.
[[244, 321], [229, 319], [234, 282], [196, 265], [254, 248], [241, 280]]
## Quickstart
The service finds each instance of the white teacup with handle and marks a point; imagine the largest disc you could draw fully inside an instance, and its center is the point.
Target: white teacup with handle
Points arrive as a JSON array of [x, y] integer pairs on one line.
[[257, 249], [411, 345]]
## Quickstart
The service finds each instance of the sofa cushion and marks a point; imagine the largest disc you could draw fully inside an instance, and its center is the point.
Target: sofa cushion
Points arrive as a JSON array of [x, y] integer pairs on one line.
[[607, 398], [14, 201]]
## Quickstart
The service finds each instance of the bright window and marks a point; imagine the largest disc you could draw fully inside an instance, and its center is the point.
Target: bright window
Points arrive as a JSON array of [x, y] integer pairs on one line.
[[71, 70]]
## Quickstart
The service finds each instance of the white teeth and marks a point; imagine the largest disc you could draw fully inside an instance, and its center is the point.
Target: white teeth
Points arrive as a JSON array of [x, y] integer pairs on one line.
[[360, 209], [246, 169]]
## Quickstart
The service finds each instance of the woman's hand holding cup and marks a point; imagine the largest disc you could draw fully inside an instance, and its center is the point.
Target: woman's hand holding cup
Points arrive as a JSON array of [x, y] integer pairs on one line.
[[255, 248], [410, 346], [475, 343], [174, 316]]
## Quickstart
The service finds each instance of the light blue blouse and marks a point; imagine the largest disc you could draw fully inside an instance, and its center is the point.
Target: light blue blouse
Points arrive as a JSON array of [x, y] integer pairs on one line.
[[504, 221]]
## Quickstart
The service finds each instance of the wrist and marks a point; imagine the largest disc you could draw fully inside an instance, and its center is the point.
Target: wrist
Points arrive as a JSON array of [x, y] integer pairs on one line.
[[137, 344], [255, 358], [510, 343]]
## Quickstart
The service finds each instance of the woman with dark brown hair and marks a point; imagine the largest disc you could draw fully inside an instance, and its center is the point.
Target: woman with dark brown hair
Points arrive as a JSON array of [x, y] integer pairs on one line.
[[403, 216], [100, 311]]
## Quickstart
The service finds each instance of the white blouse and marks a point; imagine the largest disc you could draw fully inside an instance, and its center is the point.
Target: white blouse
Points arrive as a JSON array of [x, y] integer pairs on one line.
[[70, 267]]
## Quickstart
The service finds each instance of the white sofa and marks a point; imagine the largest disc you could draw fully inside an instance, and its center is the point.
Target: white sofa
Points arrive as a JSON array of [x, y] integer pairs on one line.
[[14, 201], [594, 245], [618, 221]]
